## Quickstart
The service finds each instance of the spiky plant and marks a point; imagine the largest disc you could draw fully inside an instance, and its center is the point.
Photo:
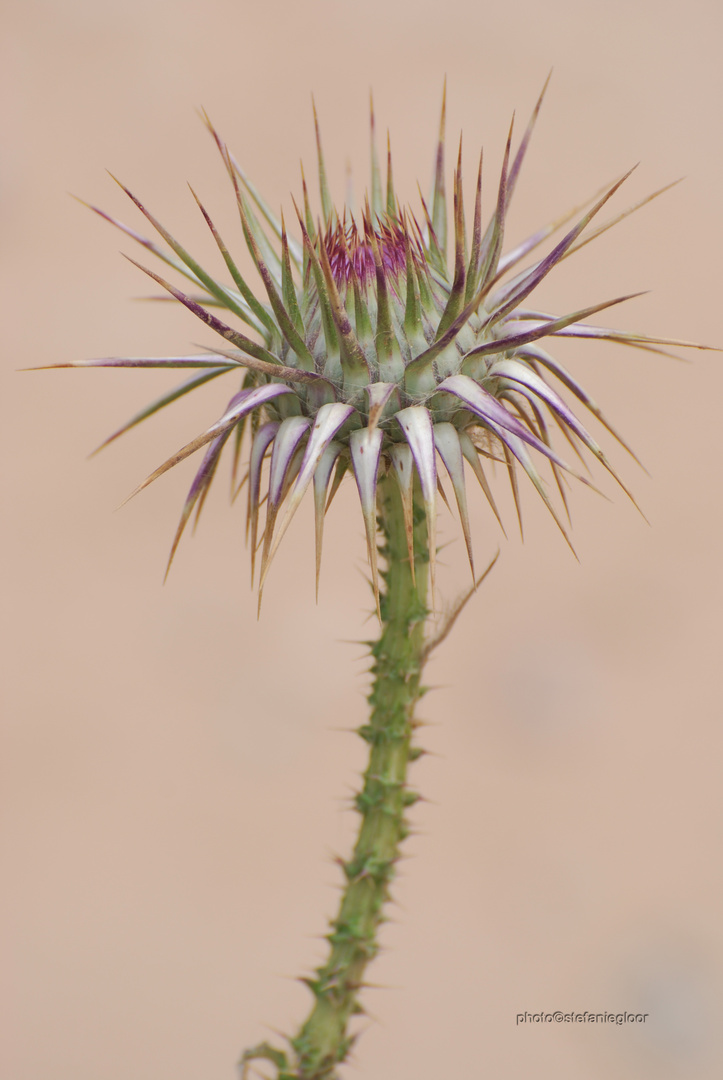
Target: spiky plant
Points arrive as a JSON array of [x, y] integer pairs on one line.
[[372, 352]]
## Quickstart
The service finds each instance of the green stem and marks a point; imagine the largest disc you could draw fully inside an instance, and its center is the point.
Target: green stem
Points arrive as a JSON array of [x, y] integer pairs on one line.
[[324, 1041]]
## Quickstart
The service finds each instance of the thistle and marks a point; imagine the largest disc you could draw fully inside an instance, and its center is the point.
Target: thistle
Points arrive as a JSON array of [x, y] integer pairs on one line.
[[370, 348]]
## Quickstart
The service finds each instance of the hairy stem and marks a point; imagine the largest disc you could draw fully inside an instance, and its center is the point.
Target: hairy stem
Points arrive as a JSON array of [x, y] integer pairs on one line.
[[324, 1040]]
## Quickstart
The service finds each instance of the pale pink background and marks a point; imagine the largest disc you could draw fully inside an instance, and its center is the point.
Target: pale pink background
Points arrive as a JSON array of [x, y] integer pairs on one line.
[[174, 781]]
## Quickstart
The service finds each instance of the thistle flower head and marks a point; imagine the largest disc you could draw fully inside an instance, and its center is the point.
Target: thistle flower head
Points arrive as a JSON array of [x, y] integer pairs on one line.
[[370, 348]]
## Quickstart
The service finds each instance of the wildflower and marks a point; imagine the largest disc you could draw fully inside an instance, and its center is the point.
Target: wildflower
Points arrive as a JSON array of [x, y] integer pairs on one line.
[[371, 349], [372, 353]]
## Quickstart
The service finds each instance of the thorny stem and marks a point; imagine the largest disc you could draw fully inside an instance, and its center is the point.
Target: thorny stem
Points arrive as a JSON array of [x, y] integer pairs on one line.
[[324, 1041]]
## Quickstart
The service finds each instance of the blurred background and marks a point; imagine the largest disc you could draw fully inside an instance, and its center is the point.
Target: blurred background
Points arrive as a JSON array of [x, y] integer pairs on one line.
[[176, 774]]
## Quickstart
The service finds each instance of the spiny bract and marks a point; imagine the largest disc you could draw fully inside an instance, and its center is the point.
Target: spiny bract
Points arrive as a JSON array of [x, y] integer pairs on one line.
[[371, 353]]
